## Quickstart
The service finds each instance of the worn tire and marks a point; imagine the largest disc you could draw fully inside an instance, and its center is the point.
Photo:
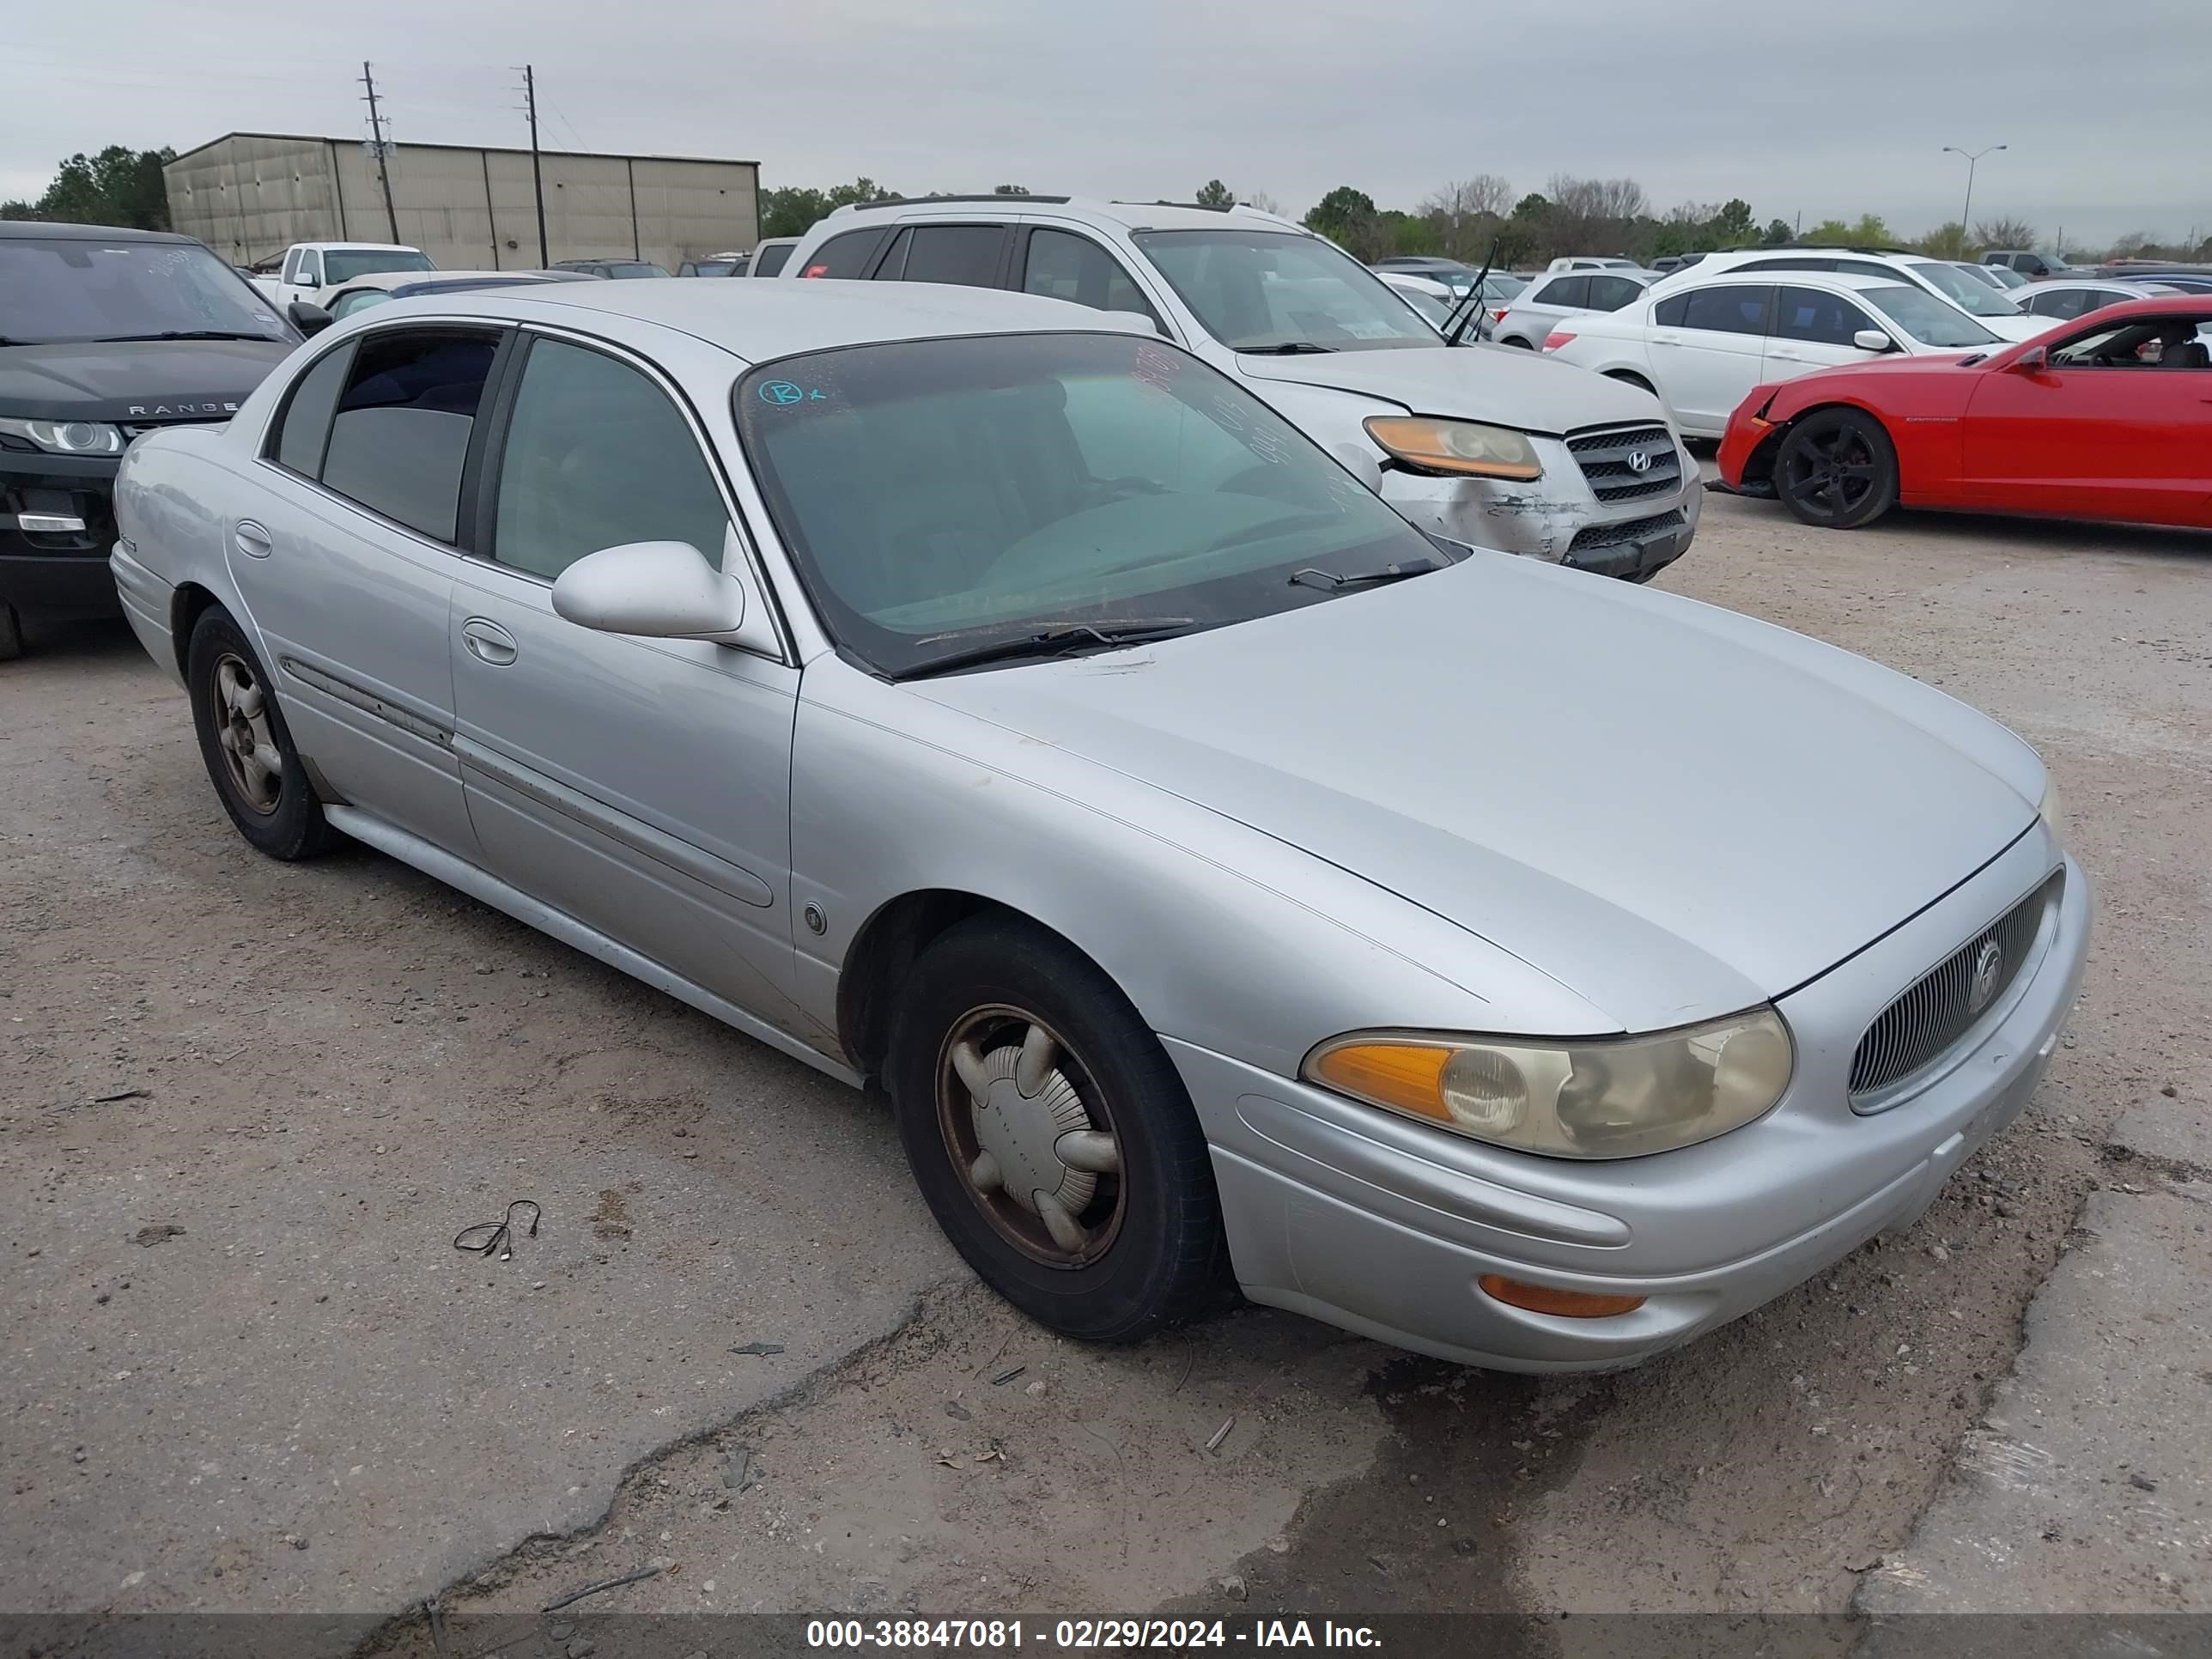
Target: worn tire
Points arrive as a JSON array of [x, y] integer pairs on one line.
[[1837, 469], [1164, 1260], [290, 827], [11, 633]]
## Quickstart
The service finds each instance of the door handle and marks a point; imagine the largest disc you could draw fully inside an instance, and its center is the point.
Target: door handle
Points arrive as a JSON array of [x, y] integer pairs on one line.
[[251, 539], [488, 642]]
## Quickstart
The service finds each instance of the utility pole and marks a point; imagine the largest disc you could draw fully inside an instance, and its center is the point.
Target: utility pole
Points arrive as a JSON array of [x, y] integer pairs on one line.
[[1966, 213], [383, 150], [537, 175]]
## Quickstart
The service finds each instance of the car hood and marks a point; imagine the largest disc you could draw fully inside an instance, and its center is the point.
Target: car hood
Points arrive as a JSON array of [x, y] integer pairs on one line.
[[1672, 810], [1476, 383], [136, 381]]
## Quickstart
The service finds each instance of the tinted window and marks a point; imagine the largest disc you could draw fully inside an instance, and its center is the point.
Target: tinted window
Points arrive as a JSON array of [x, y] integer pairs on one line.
[[940, 495], [1815, 315], [1611, 293], [1669, 312], [2062, 304], [306, 422], [67, 289], [1789, 262], [1728, 309], [768, 261], [403, 426], [1063, 266], [964, 255], [596, 456], [848, 255], [1564, 291], [343, 266]]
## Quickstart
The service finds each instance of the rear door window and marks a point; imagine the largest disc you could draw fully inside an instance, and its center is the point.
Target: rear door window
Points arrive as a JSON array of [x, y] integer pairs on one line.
[[1565, 291], [1735, 308], [965, 256], [1611, 293], [401, 435]]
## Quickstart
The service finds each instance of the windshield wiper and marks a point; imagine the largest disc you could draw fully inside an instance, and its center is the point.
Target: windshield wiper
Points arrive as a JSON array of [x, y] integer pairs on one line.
[[1330, 581], [1064, 641], [1283, 348], [187, 334]]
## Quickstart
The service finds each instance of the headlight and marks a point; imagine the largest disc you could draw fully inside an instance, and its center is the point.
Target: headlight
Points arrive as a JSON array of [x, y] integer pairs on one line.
[[1581, 1097], [69, 437], [1488, 451]]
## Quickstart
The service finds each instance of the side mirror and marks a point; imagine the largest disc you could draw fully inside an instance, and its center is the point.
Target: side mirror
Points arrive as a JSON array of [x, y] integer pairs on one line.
[[1873, 339], [309, 319], [2033, 360], [661, 590]]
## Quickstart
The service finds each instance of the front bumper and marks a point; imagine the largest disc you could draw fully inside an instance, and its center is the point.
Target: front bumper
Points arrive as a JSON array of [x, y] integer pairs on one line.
[[60, 574], [1557, 518], [1383, 1226]]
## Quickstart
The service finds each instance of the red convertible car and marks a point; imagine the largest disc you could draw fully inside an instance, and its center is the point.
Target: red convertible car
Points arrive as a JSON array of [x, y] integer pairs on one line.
[[2109, 416]]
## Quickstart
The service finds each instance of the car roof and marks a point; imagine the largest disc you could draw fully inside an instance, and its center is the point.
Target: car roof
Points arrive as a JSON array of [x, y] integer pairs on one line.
[[758, 322], [14, 228], [1857, 282]]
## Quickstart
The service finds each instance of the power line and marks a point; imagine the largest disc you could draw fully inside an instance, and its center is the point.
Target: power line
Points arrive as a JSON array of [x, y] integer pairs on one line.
[[536, 174]]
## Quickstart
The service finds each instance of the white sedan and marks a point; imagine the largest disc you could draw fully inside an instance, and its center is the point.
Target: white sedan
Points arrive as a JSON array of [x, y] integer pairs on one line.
[[1702, 346]]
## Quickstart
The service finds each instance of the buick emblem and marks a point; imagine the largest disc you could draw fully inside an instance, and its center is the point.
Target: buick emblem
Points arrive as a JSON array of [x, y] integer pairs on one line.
[[1988, 966], [1639, 460]]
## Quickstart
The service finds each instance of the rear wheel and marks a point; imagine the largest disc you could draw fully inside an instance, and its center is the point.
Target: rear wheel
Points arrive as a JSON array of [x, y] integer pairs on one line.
[[1052, 1137], [256, 771], [1836, 469]]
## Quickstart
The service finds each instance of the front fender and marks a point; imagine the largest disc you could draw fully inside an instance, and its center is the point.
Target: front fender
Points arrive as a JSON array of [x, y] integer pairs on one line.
[[1221, 936]]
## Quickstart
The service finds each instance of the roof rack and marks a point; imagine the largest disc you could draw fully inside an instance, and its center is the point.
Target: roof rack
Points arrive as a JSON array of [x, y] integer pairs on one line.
[[927, 201]]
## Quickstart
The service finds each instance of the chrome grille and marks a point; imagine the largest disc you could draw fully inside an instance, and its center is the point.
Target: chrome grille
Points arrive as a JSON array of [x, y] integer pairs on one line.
[[1623, 529], [1944, 1003], [1604, 456]]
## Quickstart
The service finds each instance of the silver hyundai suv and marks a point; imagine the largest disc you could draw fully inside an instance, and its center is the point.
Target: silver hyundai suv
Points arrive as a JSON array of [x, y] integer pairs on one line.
[[1493, 448]]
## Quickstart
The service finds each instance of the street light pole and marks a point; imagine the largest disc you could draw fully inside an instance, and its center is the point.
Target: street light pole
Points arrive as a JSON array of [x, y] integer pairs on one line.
[[1966, 213]]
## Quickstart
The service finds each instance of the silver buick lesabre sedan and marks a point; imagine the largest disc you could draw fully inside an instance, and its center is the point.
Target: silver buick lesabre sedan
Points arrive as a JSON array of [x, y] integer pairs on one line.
[[980, 696]]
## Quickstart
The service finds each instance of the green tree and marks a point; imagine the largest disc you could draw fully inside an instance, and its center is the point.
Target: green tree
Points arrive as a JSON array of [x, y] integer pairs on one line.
[[118, 186], [793, 209], [1829, 232], [1776, 234], [1214, 194], [1945, 241], [1733, 226], [1346, 217], [1533, 208]]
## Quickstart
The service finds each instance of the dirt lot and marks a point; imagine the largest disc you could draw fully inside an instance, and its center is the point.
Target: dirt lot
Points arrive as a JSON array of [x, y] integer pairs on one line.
[[246, 1107]]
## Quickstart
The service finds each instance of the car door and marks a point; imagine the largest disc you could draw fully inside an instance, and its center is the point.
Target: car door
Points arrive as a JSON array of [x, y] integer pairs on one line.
[[2062, 433], [1708, 348], [345, 562], [963, 255], [1812, 328], [642, 785]]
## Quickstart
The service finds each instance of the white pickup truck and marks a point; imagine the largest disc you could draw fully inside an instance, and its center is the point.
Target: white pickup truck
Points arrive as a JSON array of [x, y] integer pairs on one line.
[[310, 267]]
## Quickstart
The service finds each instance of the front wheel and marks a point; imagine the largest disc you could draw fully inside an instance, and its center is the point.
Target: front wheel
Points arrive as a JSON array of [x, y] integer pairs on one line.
[[1836, 469], [1052, 1137]]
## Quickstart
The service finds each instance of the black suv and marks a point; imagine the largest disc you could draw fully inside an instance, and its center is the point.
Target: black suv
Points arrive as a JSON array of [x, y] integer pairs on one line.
[[103, 334]]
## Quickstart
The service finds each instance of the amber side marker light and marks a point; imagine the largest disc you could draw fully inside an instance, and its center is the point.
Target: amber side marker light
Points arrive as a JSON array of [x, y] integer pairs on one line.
[[1547, 1299]]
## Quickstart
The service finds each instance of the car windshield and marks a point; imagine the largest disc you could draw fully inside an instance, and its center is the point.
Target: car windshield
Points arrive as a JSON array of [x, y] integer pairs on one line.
[[343, 264], [68, 289], [943, 496], [1964, 291], [1928, 319], [2006, 276], [1500, 288], [1262, 290]]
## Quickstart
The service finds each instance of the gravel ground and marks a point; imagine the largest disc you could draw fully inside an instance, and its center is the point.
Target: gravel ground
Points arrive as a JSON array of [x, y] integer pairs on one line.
[[246, 1106]]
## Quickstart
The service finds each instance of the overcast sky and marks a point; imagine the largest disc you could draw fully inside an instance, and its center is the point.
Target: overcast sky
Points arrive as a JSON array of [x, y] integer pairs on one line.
[[1830, 110]]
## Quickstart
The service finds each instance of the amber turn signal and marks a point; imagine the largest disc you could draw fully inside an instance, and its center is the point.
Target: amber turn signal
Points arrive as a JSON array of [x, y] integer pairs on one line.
[[1549, 1299], [1405, 1075]]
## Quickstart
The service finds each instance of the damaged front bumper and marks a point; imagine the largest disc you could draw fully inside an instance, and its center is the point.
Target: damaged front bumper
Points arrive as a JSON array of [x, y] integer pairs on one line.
[[1592, 509]]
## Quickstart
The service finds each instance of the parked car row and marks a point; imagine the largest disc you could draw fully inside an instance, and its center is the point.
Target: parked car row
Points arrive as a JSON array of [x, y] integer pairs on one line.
[[991, 681]]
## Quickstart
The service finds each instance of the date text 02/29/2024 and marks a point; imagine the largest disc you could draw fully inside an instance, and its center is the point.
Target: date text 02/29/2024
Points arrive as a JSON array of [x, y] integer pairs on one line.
[[1082, 1635]]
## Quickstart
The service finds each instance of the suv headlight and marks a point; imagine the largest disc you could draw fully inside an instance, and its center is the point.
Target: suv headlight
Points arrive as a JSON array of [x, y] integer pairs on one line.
[[1434, 445], [69, 437], [1577, 1097]]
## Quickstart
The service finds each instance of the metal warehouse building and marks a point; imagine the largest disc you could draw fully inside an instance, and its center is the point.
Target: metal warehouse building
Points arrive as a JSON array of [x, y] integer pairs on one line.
[[251, 195]]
